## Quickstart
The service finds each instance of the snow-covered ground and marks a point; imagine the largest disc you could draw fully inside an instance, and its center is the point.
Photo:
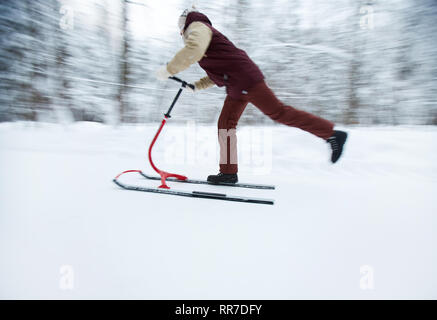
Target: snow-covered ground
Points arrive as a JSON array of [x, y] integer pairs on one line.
[[66, 231]]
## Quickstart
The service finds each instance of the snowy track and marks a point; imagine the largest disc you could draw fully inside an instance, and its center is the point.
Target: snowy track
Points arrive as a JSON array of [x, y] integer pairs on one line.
[[58, 206]]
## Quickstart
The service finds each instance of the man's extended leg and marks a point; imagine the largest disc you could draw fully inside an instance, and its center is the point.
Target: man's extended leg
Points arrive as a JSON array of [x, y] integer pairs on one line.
[[265, 100]]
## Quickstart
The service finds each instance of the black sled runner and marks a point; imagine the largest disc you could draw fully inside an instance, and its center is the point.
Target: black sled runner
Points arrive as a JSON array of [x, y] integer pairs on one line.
[[193, 181]]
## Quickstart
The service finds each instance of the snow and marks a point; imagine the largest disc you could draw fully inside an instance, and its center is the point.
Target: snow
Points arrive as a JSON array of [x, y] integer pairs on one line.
[[59, 210]]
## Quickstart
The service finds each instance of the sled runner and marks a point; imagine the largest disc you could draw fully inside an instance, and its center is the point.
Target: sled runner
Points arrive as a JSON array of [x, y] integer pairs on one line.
[[193, 181]]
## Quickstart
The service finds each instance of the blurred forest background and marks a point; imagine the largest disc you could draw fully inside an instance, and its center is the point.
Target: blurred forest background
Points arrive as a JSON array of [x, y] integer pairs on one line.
[[350, 61]]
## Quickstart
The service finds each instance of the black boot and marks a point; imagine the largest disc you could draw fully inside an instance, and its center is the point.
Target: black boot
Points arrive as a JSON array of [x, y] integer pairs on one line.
[[223, 178], [337, 141]]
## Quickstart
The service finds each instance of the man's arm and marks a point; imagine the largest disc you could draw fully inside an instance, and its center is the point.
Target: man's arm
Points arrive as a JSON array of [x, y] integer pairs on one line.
[[196, 44]]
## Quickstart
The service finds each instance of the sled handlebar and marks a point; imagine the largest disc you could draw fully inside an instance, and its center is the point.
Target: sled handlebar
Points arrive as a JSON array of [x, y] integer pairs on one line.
[[184, 83]]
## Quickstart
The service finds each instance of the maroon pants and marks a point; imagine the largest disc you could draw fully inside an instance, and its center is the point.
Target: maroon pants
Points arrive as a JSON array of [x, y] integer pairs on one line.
[[264, 99]]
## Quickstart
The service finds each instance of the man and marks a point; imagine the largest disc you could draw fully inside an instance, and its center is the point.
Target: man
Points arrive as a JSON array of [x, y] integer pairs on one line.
[[228, 66]]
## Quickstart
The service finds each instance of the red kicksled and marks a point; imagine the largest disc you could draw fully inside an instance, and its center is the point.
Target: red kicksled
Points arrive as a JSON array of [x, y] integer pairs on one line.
[[164, 175]]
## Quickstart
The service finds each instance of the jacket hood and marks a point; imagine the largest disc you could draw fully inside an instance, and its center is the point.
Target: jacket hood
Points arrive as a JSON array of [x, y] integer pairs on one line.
[[196, 16]]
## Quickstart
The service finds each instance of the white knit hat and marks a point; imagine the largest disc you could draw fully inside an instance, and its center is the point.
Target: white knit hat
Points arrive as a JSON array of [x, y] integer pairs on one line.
[[183, 17]]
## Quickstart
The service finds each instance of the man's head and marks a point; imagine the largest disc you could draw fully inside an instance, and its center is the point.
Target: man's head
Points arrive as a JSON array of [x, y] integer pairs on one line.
[[189, 16], [183, 18]]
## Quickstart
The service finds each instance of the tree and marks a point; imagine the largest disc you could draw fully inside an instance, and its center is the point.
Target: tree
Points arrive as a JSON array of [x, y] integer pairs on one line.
[[122, 95], [351, 115]]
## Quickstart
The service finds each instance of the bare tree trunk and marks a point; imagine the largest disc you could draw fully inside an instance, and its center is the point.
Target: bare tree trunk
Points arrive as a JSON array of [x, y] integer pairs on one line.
[[62, 89], [124, 67], [31, 94], [351, 114]]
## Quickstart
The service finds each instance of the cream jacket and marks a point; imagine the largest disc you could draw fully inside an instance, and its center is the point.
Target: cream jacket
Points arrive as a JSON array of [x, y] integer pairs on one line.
[[197, 38]]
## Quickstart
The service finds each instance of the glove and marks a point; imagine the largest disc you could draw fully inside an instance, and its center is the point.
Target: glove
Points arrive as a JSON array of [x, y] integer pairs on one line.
[[162, 73], [191, 90]]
